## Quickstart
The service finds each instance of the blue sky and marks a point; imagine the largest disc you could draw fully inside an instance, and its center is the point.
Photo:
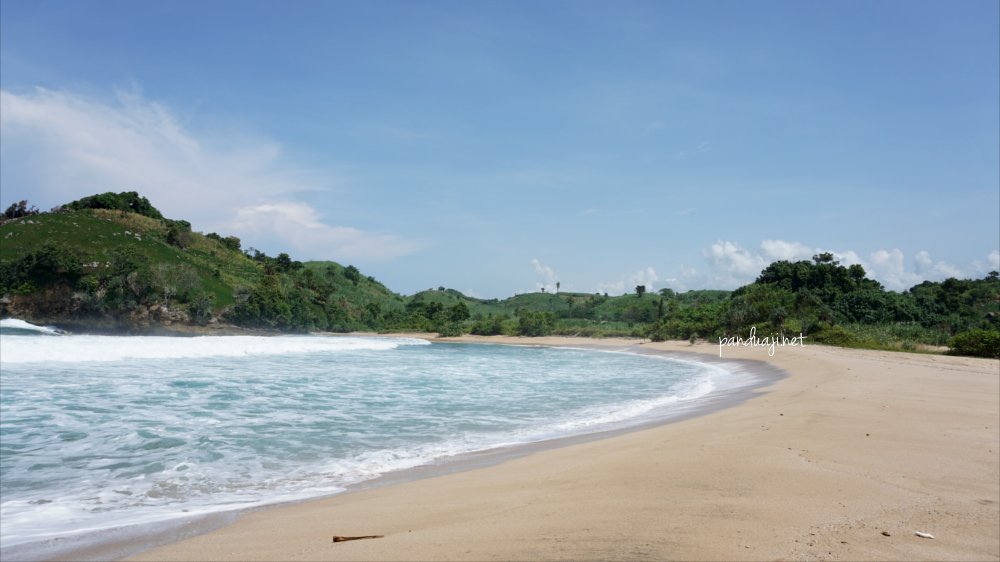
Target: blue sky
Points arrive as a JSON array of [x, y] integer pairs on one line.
[[498, 147]]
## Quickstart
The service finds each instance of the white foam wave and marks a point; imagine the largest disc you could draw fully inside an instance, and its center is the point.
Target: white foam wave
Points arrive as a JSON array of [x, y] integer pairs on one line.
[[633, 409], [18, 324], [77, 349], [194, 487]]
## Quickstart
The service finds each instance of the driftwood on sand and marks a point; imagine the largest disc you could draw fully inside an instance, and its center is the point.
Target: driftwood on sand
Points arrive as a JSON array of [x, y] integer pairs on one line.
[[338, 538]]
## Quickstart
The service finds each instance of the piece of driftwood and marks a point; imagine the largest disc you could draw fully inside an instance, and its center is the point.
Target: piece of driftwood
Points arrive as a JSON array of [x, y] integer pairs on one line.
[[338, 538]]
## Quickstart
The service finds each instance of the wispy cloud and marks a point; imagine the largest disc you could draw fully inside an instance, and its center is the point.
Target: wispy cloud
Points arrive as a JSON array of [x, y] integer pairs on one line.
[[547, 276], [59, 146], [300, 226], [645, 277], [611, 287], [992, 262], [686, 279], [473, 293], [693, 152]]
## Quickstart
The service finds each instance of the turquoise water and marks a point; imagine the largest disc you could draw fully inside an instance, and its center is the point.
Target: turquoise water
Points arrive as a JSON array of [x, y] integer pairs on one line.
[[104, 431]]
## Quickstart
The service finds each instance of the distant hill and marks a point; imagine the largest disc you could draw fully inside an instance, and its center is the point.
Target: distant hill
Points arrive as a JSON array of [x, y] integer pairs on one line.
[[113, 262]]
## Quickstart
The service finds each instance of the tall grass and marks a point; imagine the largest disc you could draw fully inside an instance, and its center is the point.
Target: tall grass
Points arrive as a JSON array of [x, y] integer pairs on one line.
[[901, 335]]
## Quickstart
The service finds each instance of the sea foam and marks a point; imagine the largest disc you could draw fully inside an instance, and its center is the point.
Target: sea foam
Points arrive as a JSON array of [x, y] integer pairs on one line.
[[86, 349], [16, 324], [103, 431]]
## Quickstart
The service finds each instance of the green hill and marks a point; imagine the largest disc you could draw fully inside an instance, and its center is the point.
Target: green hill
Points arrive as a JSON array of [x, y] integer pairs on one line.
[[113, 262]]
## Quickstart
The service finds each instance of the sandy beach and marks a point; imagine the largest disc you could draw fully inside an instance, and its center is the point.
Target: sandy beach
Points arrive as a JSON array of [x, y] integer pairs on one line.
[[845, 459]]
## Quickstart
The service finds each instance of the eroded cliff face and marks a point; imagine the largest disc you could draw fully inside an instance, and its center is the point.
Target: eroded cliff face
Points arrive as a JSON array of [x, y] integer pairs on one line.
[[63, 308], [54, 303]]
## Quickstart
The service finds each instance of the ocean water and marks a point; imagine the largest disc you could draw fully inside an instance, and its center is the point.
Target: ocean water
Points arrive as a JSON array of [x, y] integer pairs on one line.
[[104, 431]]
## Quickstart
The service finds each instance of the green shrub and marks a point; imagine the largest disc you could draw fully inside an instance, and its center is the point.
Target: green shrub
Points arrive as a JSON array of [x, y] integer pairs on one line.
[[836, 335], [200, 308], [534, 324], [125, 201], [49, 264], [179, 234], [491, 326], [976, 343], [450, 330]]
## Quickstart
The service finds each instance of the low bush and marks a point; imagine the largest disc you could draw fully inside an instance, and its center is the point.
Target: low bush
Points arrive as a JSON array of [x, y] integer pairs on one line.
[[976, 343]]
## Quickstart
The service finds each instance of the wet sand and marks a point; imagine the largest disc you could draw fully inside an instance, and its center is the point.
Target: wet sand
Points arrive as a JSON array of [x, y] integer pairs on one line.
[[846, 458]]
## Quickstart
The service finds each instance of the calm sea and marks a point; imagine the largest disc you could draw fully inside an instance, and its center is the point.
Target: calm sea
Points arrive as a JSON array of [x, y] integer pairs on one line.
[[104, 431]]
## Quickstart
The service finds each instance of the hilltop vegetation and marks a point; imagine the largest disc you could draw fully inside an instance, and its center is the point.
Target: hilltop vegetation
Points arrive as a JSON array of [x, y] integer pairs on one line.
[[112, 261]]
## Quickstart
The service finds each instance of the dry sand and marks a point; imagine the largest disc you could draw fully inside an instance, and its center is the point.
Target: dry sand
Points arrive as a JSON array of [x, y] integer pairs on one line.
[[852, 445]]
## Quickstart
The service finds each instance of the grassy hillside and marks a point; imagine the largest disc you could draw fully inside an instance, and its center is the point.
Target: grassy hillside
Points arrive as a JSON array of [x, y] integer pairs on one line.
[[108, 269], [94, 236]]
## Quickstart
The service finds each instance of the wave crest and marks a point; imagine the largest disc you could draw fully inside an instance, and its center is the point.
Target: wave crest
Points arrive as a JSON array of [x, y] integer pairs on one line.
[[77, 349], [16, 324]]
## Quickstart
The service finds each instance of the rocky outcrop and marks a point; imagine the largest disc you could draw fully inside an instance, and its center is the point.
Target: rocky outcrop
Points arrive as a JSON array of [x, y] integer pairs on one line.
[[59, 306]]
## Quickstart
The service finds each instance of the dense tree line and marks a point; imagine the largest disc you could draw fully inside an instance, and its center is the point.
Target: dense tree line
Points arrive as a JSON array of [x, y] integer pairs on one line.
[[820, 298], [840, 305]]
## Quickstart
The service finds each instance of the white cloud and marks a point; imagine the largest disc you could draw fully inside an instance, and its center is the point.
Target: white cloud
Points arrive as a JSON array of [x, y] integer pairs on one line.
[[849, 258], [928, 268], [472, 293], [611, 288], [992, 263], [647, 277], [547, 274], [688, 278], [299, 225], [732, 265], [59, 146], [734, 259], [790, 251], [888, 267], [923, 261]]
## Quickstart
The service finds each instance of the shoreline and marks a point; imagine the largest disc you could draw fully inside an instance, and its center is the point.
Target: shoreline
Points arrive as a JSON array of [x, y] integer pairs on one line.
[[850, 443], [121, 542]]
